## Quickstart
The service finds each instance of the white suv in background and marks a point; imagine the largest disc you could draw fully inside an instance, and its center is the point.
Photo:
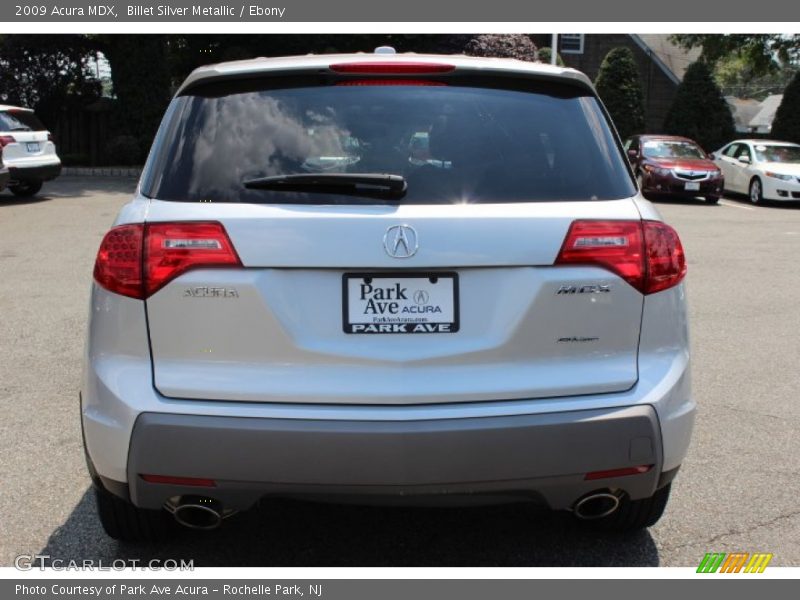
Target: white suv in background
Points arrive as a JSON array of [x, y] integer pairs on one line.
[[28, 150], [419, 278]]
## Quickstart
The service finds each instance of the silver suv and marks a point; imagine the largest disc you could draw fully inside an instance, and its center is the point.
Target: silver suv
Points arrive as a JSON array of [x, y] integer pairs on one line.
[[369, 276]]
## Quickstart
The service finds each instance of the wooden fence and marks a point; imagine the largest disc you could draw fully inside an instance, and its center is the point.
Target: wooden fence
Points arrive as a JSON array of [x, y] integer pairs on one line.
[[81, 134]]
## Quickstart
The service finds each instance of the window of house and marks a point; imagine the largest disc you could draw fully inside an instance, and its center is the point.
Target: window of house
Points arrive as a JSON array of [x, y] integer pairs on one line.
[[572, 43]]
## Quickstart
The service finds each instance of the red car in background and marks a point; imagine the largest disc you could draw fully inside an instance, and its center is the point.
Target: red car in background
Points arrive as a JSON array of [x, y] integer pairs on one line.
[[674, 166]]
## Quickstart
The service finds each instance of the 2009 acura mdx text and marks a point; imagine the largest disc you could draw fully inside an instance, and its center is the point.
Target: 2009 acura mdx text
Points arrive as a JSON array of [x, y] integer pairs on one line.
[[370, 277]]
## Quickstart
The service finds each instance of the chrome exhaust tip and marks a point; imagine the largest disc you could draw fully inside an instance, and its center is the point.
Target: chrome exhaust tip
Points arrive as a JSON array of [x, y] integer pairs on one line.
[[596, 505], [197, 512]]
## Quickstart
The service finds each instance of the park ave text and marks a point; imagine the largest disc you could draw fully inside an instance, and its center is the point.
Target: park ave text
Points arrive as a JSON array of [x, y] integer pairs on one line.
[[113, 11]]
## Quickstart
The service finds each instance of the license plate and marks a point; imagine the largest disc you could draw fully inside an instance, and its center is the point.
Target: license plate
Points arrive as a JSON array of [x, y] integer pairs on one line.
[[406, 303], [691, 186], [33, 146]]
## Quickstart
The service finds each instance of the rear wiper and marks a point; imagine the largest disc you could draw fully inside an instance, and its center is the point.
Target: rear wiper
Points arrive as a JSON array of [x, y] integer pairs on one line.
[[374, 185]]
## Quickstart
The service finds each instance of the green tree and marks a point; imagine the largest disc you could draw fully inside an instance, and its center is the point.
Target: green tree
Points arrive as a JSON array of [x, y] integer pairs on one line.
[[140, 75], [699, 111], [762, 52], [46, 73], [737, 77], [620, 90], [786, 125]]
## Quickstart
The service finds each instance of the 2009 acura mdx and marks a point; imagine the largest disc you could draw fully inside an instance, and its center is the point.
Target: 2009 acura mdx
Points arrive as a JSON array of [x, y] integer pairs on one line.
[[385, 276]]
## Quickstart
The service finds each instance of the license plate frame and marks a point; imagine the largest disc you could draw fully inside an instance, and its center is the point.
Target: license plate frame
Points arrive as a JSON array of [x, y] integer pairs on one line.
[[428, 325], [691, 186], [33, 147]]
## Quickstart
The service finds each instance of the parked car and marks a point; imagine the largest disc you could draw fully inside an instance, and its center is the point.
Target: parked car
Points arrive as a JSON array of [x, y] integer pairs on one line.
[[370, 277], [28, 149], [762, 169], [674, 166]]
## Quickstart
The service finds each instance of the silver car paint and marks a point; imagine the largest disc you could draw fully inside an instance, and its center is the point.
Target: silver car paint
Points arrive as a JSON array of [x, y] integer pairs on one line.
[[118, 383]]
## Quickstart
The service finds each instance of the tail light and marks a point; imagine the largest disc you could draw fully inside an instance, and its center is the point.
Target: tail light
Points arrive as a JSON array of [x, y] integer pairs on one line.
[[646, 254], [664, 259], [50, 137], [138, 260], [5, 140], [392, 68]]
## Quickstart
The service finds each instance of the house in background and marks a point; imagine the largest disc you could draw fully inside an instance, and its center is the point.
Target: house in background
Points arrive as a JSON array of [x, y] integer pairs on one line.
[[762, 122], [752, 116], [743, 111], [662, 65]]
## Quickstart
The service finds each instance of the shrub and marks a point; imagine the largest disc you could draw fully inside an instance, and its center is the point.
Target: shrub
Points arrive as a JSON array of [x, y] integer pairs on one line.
[[545, 54], [516, 45], [786, 125], [699, 111], [123, 150], [620, 90], [75, 160]]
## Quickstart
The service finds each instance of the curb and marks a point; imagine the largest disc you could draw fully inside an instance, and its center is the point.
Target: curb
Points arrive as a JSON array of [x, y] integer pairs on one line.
[[102, 171]]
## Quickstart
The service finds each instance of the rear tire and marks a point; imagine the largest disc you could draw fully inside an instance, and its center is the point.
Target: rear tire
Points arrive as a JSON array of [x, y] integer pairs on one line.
[[633, 515], [26, 189], [123, 521]]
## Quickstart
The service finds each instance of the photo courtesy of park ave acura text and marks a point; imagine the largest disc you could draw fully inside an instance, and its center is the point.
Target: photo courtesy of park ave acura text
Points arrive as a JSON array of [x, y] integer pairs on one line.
[[399, 300]]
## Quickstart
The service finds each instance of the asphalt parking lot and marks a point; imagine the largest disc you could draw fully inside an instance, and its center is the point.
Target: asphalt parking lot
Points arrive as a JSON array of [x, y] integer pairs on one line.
[[738, 490]]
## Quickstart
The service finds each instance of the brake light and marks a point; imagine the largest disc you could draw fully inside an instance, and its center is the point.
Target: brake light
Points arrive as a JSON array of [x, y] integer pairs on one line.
[[665, 260], [118, 266], [646, 254], [138, 260], [5, 140], [171, 249], [390, 82], [50, 137], [392, 68]]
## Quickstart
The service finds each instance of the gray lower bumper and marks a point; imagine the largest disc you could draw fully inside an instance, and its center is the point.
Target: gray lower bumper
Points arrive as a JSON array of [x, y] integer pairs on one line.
[[541, 457]]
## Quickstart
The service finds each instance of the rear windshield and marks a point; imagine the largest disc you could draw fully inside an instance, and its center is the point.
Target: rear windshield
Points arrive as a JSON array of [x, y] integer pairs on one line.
[[451, 143], [20, 120]]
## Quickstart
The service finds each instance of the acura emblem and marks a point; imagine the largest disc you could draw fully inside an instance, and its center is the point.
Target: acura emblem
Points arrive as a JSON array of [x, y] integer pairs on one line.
[[400, 241]]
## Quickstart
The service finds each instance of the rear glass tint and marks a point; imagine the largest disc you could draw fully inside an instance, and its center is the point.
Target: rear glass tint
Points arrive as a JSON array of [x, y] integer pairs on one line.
[[452, 143], [20, 120]]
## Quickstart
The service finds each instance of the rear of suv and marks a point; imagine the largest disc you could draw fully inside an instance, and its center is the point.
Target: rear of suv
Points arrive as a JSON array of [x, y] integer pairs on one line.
[[405, 278], [28, 150]]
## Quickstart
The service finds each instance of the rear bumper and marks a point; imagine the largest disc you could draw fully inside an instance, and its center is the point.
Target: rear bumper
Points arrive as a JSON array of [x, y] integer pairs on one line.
[[523, 448], [525, 457], [36, 173]]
